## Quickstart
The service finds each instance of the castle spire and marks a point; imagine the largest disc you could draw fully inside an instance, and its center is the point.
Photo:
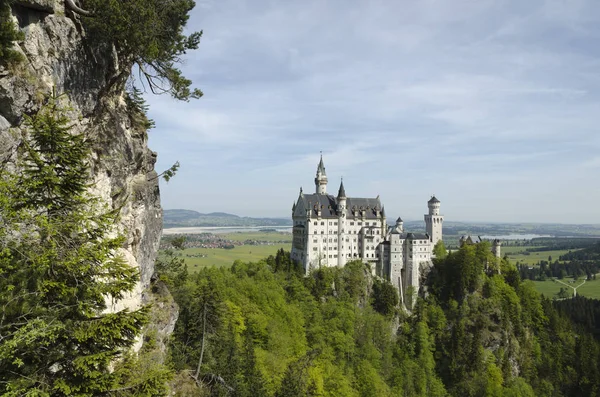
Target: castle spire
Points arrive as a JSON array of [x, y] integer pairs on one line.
[[342, 191], [321, 167], [321, 178]]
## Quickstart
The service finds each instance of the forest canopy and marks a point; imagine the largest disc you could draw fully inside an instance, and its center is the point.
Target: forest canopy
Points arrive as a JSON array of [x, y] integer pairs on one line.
[[265, 330]]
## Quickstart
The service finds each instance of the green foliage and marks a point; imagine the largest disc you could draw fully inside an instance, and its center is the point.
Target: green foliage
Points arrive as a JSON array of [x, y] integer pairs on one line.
[[149, 34], [60, 268], [439, 250], [385, 298], [138, 109], [170, 268], [477, 333], [504, 338], [9, 34], [169, 173]]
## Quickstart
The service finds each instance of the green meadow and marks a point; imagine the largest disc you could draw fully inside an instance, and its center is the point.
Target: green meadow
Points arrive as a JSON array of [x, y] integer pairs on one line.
[[518, 254], [198, 258], [591, 289], [225, 257]]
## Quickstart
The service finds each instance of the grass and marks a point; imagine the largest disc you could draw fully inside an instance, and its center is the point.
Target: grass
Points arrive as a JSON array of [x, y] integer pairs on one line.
[[512, 250], [516, 254], [225, 257], [198, 258], [591, 289]]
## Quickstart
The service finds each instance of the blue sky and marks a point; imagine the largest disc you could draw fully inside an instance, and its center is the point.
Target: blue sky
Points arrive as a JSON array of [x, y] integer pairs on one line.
[[492, 105]]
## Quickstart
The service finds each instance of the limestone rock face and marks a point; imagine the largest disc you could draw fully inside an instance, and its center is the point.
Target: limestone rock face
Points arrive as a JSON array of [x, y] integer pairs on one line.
[[57, 58]]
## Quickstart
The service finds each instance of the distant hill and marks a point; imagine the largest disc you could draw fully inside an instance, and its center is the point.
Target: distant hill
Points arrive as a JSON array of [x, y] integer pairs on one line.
[[189, 218]]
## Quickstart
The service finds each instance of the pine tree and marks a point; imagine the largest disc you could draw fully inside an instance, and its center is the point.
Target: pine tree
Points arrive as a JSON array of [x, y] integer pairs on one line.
[[60, 267]]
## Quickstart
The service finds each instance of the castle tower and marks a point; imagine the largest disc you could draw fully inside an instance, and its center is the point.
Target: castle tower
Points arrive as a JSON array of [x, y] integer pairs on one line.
[[496, 244], [434, 221], [321, 178], [341, 209]]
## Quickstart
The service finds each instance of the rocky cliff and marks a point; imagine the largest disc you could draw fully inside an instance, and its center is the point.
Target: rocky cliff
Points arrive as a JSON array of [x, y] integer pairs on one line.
[[58, 58]]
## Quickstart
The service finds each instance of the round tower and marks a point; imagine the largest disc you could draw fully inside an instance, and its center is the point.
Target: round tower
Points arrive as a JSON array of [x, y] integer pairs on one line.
[[434, 206], [434, 221], [321, 178], [496, 248]]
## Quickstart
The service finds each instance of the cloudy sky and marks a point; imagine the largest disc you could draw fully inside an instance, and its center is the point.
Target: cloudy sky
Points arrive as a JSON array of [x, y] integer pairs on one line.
[[491, 105]]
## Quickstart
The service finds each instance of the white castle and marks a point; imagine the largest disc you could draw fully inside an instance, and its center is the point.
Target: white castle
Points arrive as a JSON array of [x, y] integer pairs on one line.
[[330, 231]]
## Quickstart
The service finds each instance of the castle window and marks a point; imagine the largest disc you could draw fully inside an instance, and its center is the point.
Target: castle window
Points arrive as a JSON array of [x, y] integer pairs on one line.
[[314, 248], [315, 223], [359, 223], [330, 256], [315, 232], [322, 223], [315, 240], [329, 223], [334, 223], [322, 231], [351, 223], [329, 240]]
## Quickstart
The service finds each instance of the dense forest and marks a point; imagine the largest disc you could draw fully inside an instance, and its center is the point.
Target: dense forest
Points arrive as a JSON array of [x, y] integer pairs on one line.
[[477, 329]]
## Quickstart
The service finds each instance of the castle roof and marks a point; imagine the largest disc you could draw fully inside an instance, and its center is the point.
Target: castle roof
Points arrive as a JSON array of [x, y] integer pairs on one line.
[[399, 220], [408, 236], [417, 236], [329, 207], [433, 200], [321, 167], [342, 191]]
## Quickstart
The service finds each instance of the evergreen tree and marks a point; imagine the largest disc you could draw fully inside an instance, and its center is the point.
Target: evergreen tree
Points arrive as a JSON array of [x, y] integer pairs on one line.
[[60, 268], [385, 298], [439, 250], [9, 34]]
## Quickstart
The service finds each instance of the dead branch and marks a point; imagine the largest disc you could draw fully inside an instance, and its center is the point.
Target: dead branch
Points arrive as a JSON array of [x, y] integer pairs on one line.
[[75, 8]]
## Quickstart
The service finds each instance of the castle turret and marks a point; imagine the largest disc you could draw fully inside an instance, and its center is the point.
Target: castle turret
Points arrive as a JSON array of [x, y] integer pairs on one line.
[[433, 220], [496, 248], [341, 210], [341, 198], [400, 224], [321, 178]]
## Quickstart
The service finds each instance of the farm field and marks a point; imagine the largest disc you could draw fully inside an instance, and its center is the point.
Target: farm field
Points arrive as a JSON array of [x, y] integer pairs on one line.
[[591, 289], [516, 254], [198, 258]]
